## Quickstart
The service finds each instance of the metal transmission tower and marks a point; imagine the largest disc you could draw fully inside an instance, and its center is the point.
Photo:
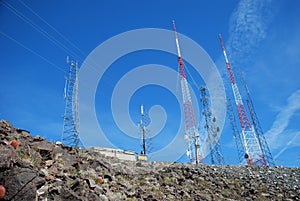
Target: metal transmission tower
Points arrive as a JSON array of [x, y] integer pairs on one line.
[[145, 142], [252, 147], [236, 134], [142, 125], [262, 140], [212, 139], [70, 134], [191, 135]]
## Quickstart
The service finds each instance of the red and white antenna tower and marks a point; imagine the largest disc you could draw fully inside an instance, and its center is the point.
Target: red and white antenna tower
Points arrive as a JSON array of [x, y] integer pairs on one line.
[[256, 124], [191, 135], [252, 147]]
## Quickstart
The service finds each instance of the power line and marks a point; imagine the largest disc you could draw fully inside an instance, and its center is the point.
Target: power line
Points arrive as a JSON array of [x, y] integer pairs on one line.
[[53, 28], [48, 35], [45, 34], [38, 28], [33, 52], [45, 59]]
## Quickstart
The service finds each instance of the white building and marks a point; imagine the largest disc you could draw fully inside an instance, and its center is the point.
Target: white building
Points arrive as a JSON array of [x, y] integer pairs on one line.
[[117, 153]]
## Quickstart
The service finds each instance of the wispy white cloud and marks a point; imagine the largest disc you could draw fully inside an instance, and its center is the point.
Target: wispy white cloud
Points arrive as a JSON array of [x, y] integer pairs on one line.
[[294, 141], [278, 136], [248, 27]]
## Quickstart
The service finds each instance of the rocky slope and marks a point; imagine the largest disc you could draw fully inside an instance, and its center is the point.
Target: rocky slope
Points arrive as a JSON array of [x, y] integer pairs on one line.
[[35, 169]]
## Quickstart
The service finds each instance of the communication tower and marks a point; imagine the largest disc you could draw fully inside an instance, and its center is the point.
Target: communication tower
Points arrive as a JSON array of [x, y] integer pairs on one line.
[[191, 135], [144, 132], [262, 140], [253, 153], [142, 126], [212, 137], [70, 134]]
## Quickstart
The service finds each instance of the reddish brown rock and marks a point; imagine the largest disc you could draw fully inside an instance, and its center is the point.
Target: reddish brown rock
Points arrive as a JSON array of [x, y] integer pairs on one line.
[[2, 192], [14, 143]]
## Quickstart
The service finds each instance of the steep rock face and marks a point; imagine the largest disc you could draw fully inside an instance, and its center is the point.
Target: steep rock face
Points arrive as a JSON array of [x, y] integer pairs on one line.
[[40, 170]]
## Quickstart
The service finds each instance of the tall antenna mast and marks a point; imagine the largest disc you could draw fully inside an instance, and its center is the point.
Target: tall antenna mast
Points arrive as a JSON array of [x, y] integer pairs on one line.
[[212, 137], [262, 140], [70, 134], [191, 135], [252, 148], [144, 132]]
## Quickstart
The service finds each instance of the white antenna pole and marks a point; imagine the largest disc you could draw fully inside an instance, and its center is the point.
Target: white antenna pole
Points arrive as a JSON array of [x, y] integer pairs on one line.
[[142, 110]]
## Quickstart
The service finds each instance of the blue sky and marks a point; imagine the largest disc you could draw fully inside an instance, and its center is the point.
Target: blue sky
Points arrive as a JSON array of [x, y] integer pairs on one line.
[[261, 37]]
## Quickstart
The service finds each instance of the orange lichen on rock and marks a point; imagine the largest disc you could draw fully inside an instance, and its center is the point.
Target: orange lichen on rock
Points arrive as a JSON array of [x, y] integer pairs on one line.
[[2, 192], [99, 180], [14, 143]]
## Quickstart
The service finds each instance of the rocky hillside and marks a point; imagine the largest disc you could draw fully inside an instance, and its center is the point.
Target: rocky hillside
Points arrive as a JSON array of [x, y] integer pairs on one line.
[[35, 169]]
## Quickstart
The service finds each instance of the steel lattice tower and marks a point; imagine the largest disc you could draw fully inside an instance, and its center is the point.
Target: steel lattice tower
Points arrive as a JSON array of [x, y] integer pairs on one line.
[[191, 135], [262, 140], [212, 137], [252, 147], [70, 134], [144, 122], [236, 134]]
